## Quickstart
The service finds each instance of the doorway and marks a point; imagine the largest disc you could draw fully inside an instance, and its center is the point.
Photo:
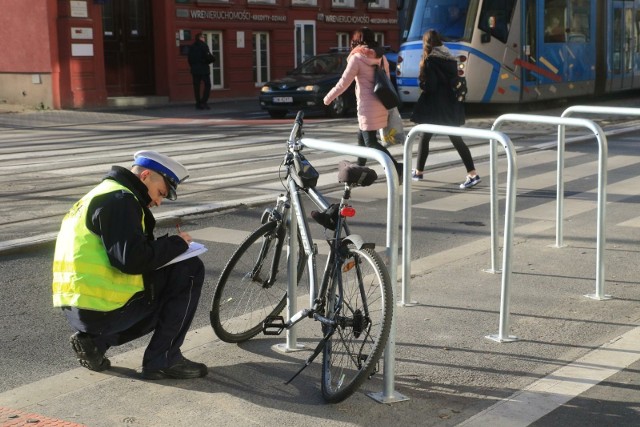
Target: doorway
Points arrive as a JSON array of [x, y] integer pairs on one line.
[[128, 48], [622, 45]]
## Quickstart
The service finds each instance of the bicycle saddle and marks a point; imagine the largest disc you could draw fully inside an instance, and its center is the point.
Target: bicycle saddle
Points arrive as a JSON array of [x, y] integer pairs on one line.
[[352, 174]]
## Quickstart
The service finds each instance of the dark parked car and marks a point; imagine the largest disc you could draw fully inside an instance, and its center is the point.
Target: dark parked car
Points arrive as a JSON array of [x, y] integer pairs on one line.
[[305, 87]]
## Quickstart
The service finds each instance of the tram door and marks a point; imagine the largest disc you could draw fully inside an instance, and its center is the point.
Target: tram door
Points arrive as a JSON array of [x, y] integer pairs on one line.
[[622, 45], [128, 47]]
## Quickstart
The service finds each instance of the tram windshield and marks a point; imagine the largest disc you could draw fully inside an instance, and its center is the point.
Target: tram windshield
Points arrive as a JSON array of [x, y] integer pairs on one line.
[[451, 18]]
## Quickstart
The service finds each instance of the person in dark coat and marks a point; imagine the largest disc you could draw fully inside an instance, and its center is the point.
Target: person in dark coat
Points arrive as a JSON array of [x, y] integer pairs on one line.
[[438, 105], [199, 59]]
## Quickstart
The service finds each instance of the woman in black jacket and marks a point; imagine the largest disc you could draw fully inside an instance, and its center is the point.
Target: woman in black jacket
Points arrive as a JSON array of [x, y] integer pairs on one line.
[[437, 104]]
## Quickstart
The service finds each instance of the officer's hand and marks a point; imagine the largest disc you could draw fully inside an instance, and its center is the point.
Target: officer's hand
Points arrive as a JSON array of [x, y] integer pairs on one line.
[[185, 236]]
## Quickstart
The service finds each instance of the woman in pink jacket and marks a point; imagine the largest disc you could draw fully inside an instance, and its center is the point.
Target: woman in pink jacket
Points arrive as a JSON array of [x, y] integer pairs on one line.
[[372, 115]]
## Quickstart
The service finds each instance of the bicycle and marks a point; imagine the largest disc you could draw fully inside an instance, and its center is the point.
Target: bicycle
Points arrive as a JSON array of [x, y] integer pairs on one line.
[[354, 304]]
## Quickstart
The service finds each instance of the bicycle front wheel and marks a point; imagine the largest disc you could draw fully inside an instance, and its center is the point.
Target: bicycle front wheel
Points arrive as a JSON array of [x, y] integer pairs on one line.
[[363, 315], [243, 297]]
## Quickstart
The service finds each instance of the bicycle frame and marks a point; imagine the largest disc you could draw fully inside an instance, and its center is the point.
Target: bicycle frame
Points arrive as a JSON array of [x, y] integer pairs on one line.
[[283, 206], [352, 301]]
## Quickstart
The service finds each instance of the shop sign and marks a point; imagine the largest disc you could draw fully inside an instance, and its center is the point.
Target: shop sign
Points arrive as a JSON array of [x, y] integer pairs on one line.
[[362, 19], [235, 15]]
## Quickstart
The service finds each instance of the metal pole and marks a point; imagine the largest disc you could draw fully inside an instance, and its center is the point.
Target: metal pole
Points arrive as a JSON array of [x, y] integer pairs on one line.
[[560, 188], [406, 222], [292, 275], [493, 188]]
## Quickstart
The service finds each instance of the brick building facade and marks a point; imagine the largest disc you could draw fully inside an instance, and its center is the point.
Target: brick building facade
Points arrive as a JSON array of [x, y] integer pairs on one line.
[[75, 54]]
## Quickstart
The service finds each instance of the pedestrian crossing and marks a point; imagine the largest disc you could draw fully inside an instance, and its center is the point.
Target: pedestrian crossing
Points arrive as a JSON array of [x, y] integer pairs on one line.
[[453, 200]]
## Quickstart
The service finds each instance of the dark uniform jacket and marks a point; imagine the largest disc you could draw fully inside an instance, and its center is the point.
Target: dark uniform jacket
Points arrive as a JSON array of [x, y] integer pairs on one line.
[[199, 57], [437, 104], [117, 218]]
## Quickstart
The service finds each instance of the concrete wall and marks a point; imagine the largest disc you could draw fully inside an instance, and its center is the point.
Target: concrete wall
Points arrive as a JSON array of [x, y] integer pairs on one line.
[[28, 89], [28, 45]]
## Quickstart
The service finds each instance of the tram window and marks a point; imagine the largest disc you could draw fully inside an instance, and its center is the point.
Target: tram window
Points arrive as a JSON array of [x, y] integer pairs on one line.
[[578, 21], [636, 30], [554, 21], [495, 18]]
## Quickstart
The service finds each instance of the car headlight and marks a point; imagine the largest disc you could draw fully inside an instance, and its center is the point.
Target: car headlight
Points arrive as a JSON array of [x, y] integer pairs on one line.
[[265, 89], [309, 88]]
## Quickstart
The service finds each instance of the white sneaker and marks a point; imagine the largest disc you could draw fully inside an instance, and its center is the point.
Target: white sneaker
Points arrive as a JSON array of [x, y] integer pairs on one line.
[[470, 182]]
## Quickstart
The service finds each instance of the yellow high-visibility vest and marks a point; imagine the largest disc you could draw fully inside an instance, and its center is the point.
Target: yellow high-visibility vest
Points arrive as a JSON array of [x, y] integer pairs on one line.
[[82, 274]]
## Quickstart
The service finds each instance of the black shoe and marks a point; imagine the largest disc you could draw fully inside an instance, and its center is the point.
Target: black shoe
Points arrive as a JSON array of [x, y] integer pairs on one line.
[[183, 369], [400, 171], [87, 353], [199, 107], [205, 106]]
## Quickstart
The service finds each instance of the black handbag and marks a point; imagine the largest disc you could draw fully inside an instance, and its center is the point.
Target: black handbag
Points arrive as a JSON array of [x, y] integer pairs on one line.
[[383, 88]]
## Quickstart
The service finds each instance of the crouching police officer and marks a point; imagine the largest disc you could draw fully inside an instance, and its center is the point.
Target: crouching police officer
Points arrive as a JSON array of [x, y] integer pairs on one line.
[[106, 275]]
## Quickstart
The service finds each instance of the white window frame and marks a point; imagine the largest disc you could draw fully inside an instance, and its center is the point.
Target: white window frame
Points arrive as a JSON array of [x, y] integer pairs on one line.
[[298, 27], [344, 40], [218, 66], [304, 2], [378, 4], [343, 3], [256, 58]]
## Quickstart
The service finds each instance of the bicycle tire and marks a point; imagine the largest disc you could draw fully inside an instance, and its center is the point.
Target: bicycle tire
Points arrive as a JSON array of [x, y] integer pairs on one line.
[[241, 304], [352, 352]]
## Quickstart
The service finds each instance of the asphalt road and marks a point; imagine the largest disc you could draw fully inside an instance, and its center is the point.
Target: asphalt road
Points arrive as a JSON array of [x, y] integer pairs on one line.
[[446, 367]]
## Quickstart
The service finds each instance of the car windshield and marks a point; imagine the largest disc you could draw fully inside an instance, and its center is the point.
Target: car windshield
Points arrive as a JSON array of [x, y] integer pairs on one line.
[[328, 64]]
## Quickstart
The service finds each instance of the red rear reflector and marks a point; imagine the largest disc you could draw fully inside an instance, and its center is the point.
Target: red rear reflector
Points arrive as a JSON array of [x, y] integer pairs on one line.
[[348, 265], [348, 212]]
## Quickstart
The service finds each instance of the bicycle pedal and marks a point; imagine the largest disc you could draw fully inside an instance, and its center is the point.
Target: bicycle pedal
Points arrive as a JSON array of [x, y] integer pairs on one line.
[[273, 325]]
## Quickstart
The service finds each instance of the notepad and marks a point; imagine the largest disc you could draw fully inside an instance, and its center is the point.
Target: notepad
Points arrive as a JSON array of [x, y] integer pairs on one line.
[[194, 249]]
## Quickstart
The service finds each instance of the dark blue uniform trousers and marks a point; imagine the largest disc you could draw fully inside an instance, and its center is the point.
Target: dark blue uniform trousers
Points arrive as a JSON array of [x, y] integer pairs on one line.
[[168, 315]]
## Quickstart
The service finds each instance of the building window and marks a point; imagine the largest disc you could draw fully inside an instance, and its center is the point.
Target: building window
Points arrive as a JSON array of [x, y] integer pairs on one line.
[[262, 1], [344, 41], [304, 2], [305, 41], [261, 58], [342, 3], [214, 40], [379, 4], [379, 38]]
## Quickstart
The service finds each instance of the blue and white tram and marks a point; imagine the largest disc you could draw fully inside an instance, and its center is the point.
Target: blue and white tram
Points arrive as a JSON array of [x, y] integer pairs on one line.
[[527, 50]]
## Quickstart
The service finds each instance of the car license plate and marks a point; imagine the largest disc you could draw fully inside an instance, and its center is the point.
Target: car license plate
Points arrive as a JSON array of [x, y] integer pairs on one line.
[[282, 99]]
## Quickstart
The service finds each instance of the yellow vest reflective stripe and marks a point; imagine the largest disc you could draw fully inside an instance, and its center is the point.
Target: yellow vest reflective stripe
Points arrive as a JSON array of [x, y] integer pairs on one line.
[[82, 274]]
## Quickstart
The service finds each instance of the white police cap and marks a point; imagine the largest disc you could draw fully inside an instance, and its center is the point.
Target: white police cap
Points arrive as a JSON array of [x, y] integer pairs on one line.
[[173, 172]]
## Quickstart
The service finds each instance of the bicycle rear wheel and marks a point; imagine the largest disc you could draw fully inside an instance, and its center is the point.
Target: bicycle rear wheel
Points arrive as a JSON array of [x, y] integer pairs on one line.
[[363, 317], [242, 299]]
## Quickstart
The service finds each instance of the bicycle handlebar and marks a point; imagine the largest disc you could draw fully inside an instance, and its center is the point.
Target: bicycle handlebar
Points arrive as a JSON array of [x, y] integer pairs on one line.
[[297, 125]]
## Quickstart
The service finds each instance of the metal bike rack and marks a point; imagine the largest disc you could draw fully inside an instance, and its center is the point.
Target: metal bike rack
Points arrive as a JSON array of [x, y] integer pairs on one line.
[[503, 333], [602, 186], [589, 109], [388, 395]]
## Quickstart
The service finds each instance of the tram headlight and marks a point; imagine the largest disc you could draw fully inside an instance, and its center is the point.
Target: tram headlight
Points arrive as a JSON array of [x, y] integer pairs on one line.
[[462, 64]]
